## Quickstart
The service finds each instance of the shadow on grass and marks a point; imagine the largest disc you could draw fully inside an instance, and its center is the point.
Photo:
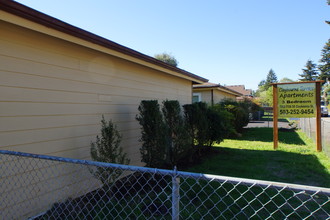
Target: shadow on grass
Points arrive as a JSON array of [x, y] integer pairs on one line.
[[266, 135], [269, 117], [276, 166]]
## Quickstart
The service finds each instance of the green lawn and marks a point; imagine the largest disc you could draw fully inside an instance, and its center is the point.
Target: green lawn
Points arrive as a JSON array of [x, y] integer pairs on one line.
[[252, 156]]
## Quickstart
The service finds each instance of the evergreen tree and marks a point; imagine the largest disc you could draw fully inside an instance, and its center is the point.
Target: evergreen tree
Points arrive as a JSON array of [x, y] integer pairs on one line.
[[310, 73], [271, 78], [325, 62]]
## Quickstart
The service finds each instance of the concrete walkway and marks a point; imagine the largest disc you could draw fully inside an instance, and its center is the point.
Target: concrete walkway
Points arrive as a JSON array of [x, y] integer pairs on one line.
[[266, 124]]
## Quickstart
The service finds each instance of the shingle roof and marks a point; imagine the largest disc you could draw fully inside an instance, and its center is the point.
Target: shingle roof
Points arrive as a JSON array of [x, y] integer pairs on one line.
[[240, 89], [218, 86]]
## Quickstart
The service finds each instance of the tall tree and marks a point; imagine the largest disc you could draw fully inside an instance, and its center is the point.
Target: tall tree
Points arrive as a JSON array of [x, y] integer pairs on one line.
[[325, 62], [167, 58], [271, 78], [310, 73]]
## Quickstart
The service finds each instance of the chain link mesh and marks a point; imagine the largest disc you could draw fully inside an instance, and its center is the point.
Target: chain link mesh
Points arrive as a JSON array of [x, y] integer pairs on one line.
[[308, 126], [44, 187]]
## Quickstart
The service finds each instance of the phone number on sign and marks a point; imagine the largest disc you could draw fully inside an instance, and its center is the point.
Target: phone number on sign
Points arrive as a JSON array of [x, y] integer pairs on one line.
[[296, 111]]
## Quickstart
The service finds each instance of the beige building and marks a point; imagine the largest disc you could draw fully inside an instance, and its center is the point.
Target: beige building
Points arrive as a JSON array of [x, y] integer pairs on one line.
[[212, 93], [56, 82]]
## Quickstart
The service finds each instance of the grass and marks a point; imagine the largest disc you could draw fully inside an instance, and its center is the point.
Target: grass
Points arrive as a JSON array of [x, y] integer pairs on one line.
[[252, 156]]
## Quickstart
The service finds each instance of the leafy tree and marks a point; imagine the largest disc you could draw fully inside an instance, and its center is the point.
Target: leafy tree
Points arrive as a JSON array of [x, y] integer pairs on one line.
[[266, 97], [167, 58], [107, 149], [310, 73], [285, 80], [325, 62]]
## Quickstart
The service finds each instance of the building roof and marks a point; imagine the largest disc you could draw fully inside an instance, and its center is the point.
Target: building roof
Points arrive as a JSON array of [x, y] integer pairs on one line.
[[30, 14], [209, 85], [241, 89]]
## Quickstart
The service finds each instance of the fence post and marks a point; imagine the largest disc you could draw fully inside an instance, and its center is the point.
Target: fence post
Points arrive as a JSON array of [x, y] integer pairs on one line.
[[175, 195]]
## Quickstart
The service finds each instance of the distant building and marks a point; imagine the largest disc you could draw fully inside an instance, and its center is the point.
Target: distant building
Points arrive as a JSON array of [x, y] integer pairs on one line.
[[213, 93], [246, 93]]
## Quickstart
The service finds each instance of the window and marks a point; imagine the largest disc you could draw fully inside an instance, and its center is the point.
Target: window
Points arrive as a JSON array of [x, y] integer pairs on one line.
[[196, 97]]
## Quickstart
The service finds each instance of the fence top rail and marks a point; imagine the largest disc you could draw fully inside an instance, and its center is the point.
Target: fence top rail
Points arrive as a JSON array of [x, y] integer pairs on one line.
[[174, 172]]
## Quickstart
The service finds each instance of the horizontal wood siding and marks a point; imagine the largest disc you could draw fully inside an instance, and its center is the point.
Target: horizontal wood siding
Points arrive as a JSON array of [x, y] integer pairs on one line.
[[53, 94], [220, 95], [52, 90]]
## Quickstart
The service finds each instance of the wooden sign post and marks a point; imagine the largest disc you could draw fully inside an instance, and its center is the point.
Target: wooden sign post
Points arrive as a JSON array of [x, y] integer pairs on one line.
[[297, 100]]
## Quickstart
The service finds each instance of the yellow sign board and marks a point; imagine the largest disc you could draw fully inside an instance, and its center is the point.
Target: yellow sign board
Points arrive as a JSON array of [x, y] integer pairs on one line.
[[297, 100]]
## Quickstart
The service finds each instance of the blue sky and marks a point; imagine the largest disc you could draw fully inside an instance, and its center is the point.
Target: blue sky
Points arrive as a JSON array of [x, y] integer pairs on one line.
[[226, 41]]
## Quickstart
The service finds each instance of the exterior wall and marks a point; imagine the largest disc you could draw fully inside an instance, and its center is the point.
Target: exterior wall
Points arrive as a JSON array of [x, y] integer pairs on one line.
[[53, 94], [220, 95], [206, 95]]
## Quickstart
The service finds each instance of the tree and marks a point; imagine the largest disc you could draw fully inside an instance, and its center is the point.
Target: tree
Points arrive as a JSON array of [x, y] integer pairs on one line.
[[310, 73], [167, 58], [266, 97], [271, 78], [264, 85], [285, 80], [324, 67], [107, 149]]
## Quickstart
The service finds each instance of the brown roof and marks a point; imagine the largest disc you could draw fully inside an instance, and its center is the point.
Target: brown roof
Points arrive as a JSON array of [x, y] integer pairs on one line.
[[241, 89], [218, 86], [54, 23]]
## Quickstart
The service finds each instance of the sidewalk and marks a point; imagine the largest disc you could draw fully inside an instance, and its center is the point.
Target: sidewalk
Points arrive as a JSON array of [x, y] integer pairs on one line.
[[266, 124]]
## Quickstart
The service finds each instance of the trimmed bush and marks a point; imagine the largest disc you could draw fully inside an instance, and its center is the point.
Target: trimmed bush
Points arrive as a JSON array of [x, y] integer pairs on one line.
[[178, 138], [154, 142], [196, 118], [207, 125], [240, 112]]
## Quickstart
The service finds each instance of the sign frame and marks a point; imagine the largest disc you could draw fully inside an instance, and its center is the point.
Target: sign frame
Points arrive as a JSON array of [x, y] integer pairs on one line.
[[317, 106]]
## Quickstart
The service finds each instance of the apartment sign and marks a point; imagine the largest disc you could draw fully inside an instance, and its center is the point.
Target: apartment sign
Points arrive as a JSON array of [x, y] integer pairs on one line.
[[296, 100]]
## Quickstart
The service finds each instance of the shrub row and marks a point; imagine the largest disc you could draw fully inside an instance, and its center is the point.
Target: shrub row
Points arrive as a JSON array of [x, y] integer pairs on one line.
[[172, 135]]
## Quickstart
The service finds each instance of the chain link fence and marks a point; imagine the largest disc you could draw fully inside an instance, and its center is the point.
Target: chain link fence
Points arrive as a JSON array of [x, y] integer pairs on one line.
[[45, 187], [308, 125]]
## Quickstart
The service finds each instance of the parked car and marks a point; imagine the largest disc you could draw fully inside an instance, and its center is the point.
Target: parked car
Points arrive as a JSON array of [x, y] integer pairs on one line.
[[324, 111]]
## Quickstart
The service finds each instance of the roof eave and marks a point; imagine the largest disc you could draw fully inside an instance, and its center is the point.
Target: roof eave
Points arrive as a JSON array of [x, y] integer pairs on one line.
[[53, 23]]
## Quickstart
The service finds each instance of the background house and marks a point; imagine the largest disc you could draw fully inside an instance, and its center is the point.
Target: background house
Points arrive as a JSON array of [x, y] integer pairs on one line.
[[246, 93], [213, 93], [56, 83]]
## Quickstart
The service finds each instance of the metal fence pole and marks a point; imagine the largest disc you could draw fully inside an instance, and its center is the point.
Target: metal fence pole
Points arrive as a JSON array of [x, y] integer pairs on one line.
[[175, 195]]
